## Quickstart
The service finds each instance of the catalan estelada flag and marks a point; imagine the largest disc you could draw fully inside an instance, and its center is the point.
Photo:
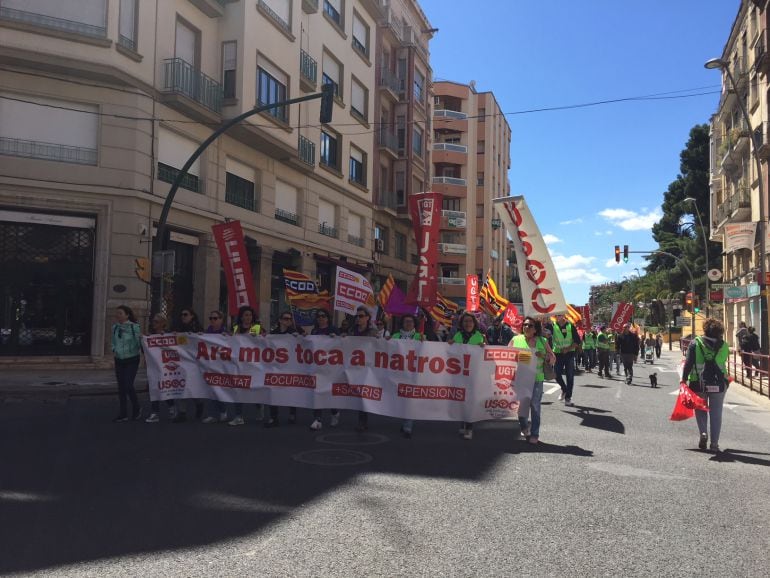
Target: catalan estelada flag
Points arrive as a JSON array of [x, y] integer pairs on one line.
[[492, 303], [444, 310], [387, 289]]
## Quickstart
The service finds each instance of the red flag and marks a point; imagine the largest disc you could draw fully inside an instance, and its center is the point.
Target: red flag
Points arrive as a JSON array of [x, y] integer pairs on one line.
[[512, 318], [472, 300], [232, 250], [585, 322], [425, 210], [623, 315]]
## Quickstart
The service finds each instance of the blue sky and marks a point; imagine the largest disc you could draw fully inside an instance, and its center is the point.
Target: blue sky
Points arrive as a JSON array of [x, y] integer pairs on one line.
[[593, 177]]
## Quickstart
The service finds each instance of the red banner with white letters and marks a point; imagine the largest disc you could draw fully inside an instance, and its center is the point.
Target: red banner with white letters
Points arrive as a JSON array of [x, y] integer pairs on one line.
[[585, 321], [512, 318], [472, 298], [235, 262], [622, 315], [425, 210]]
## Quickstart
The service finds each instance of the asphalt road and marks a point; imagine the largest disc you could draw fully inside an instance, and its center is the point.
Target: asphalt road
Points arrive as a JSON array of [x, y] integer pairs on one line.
[[615, 489]]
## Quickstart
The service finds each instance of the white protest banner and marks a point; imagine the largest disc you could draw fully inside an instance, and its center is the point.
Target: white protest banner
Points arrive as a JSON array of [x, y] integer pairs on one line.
[[352, 290], [739, 236], [540, 286], [400, 378]]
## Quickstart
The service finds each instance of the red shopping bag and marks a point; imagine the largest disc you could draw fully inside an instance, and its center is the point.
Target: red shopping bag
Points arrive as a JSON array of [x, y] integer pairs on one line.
[[686, 404]]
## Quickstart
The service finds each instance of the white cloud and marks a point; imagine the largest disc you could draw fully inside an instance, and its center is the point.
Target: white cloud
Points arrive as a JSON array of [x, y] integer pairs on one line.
[[572, 222], [573, 269], [611, 263], [631, 220], [551, 239]]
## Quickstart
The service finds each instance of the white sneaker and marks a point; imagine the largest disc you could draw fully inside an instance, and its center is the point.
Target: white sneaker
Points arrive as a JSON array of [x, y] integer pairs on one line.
[[335, 419], [316, 425], [561, 395], [209, 419], [152, 418], [237, 420], [468, 435], [568, 403]]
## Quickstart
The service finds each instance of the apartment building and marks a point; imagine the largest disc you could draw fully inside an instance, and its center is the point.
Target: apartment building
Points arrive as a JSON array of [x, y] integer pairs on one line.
[[471, 158], [102, 102], [402, 147], [735, 181]]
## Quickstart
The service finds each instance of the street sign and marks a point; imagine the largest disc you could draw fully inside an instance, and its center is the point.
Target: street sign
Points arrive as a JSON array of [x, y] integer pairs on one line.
[[721, 285], [714, 274], [163, 263], [682, 321], [716, 295]]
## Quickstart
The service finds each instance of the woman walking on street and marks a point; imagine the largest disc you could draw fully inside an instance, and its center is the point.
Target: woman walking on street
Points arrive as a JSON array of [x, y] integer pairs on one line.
[[532, 339], [362, 327], [215, 409], [127, 346], [188, 323], [285, 327], [323, 326], [158, 326], [245, 324], [468, 333], [408, 331], [706, 371]]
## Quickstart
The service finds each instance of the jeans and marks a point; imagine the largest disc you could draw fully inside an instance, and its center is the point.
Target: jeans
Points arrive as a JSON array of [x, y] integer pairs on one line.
[[604, 362], [125, 374], [628, 364], [534, 411], [617, 363], [591, 358], [714, 415], [215, 408], [565, 363], [408, 425]]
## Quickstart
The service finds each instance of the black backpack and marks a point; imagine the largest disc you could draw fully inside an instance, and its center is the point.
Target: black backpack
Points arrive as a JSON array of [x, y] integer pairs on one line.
[[710, 377]]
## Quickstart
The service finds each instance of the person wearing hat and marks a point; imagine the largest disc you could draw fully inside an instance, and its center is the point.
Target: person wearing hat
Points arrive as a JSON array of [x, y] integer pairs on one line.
[[499, 333]]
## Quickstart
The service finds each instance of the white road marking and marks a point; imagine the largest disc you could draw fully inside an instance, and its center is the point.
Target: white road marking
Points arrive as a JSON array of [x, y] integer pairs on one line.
[[618, 392], [553, 389]]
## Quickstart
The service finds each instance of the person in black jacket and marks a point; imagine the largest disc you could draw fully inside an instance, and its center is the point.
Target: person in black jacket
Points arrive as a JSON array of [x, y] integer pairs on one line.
[[749, 346], [498, 333], [628, 346]]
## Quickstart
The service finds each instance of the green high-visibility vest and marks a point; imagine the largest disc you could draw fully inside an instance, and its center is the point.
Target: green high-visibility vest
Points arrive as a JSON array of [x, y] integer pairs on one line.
[[520, 342], [602, 342], [560, 340], [720, 358], [588, 341]]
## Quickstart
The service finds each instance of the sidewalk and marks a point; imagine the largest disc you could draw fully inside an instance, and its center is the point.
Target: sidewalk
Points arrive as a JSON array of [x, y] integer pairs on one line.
[[61, 383]]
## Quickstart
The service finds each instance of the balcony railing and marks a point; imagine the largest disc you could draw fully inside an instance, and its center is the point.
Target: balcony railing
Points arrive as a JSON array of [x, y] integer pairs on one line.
[[183, 78], [446, 113], [325, 229], [449, 181], [306, 151], [47, 151], [452, 249], [167, 174], [308, 67], [240, 198], [274, 16], [127, 42], [455, 219], [53, 23], [287, 216], [448, 146], [390, 80], [451, 280], [388, 140], [386, 199], [357, 241]]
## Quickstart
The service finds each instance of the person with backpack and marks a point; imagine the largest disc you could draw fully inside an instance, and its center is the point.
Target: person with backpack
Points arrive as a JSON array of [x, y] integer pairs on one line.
[[127, 347], [705, 371]]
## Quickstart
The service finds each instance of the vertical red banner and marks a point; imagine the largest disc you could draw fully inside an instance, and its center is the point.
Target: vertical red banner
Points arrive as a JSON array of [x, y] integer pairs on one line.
[[585, 311], [235, 262], [425, 210], [472, 298], [623, 315], [512, 318]]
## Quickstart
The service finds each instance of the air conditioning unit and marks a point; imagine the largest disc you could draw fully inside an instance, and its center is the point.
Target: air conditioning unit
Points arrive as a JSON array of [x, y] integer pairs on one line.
[[379, 245]]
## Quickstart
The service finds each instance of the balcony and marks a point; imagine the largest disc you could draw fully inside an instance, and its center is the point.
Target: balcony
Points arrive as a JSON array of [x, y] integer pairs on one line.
[[391, 83], [308, 72], [389, 142], [386, 200], [451, 280], [357, 241], [449, 181], [263, 7], [448, 146], [181, 79], [327, 230], [286, 216], [452, 249], [445, 113], [761, 136], [736, 207], [53, 23], [453, 219], [211, 8], [47, 151], [761, 57], [306, 151], [310, 6]]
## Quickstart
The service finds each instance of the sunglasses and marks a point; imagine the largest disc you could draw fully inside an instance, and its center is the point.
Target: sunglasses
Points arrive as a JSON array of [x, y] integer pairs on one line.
[[185, 314], [527, 325], [214, 318]]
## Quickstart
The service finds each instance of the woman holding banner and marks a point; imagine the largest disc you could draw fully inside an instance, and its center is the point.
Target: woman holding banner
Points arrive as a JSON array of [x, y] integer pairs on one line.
[[408, 331], [532, 339], [468, 333], [323, 326], [245, 324], [362, 327], [215, 408], [285, 326]]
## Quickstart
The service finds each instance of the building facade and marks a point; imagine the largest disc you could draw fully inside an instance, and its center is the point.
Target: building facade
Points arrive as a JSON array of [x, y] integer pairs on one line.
[[735, 179], [471, 158], [102, 102]]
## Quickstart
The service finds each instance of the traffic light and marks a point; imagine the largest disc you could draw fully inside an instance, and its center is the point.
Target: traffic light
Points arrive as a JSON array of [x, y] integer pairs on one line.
[[625, 253], [688, 302], [617, 253], [327, 102], [696, 304]]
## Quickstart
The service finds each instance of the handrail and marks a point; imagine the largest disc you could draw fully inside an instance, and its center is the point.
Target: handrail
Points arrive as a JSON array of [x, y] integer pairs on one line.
[[748, 369]]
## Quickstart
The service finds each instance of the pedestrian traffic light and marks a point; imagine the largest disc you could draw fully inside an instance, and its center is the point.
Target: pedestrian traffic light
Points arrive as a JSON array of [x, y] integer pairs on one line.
[[327, 102], [617, 253], [625, 253], [688, 302], [696, 304]]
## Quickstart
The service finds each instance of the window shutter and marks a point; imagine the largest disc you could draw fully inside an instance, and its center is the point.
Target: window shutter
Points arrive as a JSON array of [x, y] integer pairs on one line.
[[354, 225], [185, 43], [285, 197], [337, 4], [358, 97], [331, 68], [239, 169], [174, 150], [326, 213], [282, 8], [357, 155], [93, 12], [359, 30], [128, 19], [229, 56]]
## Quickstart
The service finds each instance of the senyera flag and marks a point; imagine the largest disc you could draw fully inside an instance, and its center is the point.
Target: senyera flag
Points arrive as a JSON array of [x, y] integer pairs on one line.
[[303, 297], [540, 286], [425, 210], [235, 262], [492, 303], [444, 310], [472, 298], [622, 315]]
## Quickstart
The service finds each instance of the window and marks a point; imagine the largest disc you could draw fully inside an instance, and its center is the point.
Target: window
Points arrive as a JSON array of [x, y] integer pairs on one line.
[[400, 188], [286, 203], [271, 89], [419, 84], [329, 150], [360, 35], [417, 141], [229, 67], [173, 152], [355, 228], [327, 218], [480, 146], [479, 241], [333, 10], [279, 11], [450, 204], [400, 246], [332, 73], [382, 234], [36, 129], [482, 114], [357, 166], [127, 25], [240, 185], [359, 98], [86, 17], [480, 179], [480, 210], [186, 43], [401, 132], [451, 271]]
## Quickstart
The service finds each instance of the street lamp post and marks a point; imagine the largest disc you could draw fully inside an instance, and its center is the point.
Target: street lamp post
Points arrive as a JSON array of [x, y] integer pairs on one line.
[[712, 64], [705, 249]]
